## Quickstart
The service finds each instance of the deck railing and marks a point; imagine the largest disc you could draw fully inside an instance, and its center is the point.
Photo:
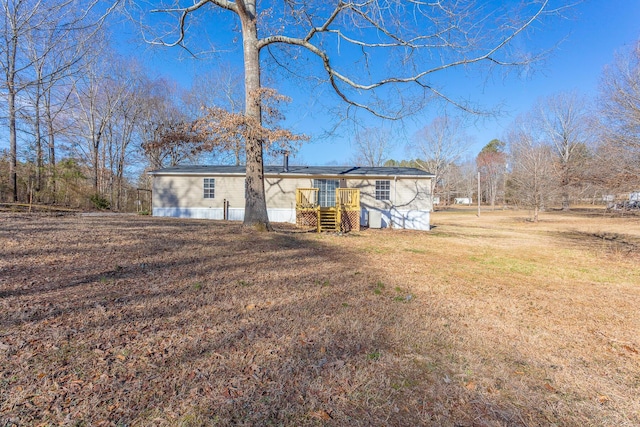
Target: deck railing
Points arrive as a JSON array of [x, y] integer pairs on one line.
[[306, 198], [348, 199]]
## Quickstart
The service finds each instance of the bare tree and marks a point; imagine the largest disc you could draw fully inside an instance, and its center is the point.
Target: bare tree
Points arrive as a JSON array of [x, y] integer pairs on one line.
[[532, 173], [563, 119], [372, 147], [219, 89], [619, 147], [492, 163], [438, 146], [164, 121], [170, 143], [55, 50], [20, 18], [422, 40], [98, 96], [29, 32], [465, 179], [123, 128]]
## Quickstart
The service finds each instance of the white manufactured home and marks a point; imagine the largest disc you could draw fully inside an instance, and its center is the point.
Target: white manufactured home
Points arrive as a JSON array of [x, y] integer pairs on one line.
[[326, 197]]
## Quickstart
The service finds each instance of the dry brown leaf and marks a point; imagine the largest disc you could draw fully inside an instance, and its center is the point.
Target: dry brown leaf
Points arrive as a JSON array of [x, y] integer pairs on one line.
[[320, 415]]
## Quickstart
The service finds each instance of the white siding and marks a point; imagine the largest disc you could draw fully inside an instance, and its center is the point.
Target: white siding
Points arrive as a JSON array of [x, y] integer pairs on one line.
[[171, 191], [281, 192]]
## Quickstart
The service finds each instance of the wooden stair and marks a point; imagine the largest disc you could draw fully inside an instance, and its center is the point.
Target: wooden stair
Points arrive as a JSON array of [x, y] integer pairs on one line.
[[328, 220]]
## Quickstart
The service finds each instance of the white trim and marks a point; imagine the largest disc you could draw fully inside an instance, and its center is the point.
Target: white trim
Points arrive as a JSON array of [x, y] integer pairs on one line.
[[199, 213], [235, 214], [282, 215]]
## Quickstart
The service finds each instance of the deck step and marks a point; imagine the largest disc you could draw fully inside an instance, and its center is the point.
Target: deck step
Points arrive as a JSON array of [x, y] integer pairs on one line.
[[328, 220]]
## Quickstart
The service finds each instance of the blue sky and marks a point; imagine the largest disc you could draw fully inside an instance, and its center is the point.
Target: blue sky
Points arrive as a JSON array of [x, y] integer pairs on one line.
[[587, 40]]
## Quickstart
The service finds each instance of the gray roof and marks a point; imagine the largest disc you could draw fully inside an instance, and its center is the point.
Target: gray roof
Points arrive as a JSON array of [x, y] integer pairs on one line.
[[332, 171]]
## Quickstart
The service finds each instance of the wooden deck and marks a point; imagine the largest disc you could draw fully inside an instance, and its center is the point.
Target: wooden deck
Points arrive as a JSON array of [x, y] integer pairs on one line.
[[344, 216]]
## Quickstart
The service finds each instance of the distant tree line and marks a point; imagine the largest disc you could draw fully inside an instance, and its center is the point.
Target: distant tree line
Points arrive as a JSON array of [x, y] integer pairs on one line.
[[85, 124], [566, 150]]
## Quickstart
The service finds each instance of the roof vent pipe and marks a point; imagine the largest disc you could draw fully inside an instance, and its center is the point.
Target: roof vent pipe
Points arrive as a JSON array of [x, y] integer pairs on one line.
[[285, 161]]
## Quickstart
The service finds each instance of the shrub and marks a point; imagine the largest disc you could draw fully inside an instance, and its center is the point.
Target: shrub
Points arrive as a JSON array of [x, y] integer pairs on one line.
[[99, 202]]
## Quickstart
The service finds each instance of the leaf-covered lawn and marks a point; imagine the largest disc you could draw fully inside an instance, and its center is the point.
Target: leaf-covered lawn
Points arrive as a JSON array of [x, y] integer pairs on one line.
[[124, 320]]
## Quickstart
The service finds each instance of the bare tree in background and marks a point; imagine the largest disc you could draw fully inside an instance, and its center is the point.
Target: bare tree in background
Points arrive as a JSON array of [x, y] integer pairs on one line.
[[619, 147], [98, 95], [219, 89], [163, 120], [29, 33], [372, 147], [532, 175], [492, 164], [172, 142], [397, 51], [466, 179], [563, 120], [20, 19], [123, 127], [438, 146]]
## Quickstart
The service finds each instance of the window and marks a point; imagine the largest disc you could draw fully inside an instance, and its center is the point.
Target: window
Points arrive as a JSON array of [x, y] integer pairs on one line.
[[383, 190], [326, 191], [209, 188]]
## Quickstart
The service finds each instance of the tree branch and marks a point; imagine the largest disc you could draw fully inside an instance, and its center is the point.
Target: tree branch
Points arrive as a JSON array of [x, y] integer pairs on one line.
[[416, 43], [184, 12]]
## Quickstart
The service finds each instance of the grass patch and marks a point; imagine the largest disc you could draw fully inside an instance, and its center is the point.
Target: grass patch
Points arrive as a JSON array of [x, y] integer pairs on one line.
[[415, 251], [378, 288]]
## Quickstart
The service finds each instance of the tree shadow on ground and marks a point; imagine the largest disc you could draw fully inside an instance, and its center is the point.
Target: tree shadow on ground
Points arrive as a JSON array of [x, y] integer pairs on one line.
[[142, 321]]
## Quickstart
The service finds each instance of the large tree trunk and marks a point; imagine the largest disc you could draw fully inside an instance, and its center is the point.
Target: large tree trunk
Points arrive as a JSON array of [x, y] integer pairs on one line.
[[255, 208], [52, 149], [96, 163], [13, 152], [565, 187], [39, 154]]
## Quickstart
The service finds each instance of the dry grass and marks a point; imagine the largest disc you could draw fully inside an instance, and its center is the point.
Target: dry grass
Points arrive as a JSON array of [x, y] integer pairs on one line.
[[490, 321]]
